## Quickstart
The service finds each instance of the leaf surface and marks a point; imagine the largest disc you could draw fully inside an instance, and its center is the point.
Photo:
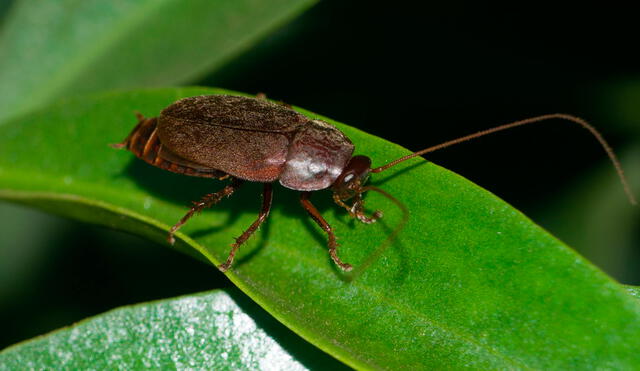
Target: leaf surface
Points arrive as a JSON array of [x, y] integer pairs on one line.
[[470, 282], [203, 331], [633, 290]]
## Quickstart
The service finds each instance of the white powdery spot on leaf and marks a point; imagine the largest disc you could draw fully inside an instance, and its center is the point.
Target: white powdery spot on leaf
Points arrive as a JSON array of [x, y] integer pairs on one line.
[[197, 332]]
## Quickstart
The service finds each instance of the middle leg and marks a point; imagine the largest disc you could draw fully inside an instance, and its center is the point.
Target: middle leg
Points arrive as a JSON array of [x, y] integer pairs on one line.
[[267, 197]]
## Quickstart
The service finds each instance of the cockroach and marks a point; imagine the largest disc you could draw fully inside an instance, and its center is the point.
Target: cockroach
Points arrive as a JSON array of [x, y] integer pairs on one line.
[[255, 140]]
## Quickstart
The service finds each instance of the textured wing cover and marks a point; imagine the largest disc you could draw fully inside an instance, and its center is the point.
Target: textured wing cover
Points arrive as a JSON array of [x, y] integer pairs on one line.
[[251, 155], [235, 112]]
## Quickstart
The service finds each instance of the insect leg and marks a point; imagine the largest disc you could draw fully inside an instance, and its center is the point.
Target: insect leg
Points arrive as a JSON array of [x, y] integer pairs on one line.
[[267, 196], [357, 209], [315, 215], [206, 201]]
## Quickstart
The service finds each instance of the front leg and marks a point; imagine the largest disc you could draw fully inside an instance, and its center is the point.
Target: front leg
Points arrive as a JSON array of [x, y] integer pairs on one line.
[[315, 215], [357, 209]]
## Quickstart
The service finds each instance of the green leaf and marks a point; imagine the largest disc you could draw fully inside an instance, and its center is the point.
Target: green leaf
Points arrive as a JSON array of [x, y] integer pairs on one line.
[[604, 227], [471, 282], [50, 49], [633, 290], [603, 223], [212, 330]]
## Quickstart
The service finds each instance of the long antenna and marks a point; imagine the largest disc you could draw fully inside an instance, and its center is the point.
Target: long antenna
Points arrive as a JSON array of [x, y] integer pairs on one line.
[[514, 124]]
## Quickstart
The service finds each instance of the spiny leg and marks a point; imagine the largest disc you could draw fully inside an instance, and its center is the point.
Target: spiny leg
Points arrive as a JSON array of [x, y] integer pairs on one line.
[[206, 201], [315, 215], [267, 197]]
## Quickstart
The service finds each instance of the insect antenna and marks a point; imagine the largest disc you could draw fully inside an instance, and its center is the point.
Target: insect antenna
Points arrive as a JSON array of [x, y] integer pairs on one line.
[[577, 120], [390, 237]]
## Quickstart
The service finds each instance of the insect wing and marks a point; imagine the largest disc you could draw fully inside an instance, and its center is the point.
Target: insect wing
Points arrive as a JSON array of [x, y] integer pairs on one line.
[[235, 112], [246, 154]]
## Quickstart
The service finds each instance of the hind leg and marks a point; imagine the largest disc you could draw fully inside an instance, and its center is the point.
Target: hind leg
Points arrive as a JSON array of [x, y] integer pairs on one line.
[[206, 201]]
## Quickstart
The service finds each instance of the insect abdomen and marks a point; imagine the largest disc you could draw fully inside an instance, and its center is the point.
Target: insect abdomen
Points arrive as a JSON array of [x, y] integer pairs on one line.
[[145, 144]]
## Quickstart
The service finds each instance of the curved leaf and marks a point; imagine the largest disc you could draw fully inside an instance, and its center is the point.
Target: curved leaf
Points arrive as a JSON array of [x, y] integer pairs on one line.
[[603, 224], [471, 282], [202, 331], [50, 49]]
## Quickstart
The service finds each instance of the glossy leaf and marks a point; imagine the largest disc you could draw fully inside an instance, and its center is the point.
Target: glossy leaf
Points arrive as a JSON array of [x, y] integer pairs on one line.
[[634, 291], [471, 282], [212, 330], [50, 49]]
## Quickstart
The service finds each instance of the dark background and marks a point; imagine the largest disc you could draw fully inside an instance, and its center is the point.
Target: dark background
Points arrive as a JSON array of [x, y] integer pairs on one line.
[[414, 76]]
